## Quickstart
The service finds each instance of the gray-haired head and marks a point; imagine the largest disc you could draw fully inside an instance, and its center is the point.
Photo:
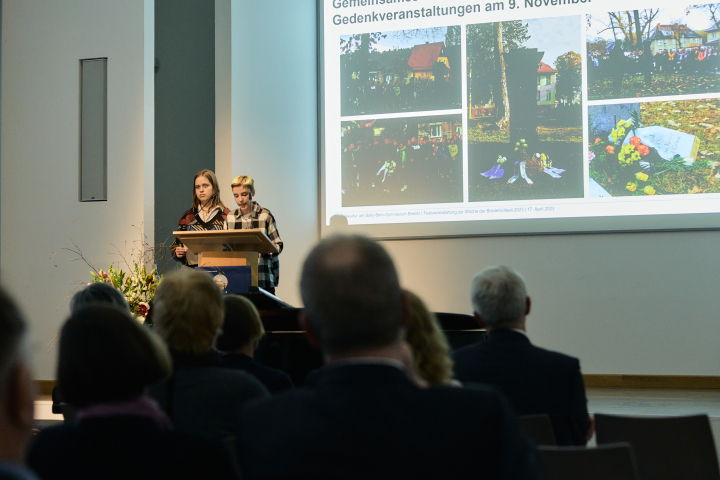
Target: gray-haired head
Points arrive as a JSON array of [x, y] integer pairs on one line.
[[499, 296], [98, 293], [352, 294]]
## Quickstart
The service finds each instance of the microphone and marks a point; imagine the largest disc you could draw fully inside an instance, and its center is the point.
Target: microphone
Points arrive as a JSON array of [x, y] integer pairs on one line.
[[197, 211], [209, 200]]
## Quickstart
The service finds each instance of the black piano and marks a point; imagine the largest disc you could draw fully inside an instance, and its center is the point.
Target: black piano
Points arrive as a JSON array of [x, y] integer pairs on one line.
[[285, 347]]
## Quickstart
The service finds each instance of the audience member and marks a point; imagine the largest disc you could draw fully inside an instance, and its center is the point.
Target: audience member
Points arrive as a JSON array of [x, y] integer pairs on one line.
[[201, 396], [240, 337], [429, 345], [17, 393], [535, 380], [93, 294], [106, 361], [365, 417], [98, 292]]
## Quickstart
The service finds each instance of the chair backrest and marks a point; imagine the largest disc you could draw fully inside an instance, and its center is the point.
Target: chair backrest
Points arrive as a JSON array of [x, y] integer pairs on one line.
[[665, 447], [605, 462], [539, 428]]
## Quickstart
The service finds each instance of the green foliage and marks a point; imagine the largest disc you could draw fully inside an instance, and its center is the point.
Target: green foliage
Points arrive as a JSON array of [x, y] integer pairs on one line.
[[662, 84], [569, 78], [390, 61], [138, 287], [453, 35], [677, 164], [358, 47], [360, 41], [483, 73]]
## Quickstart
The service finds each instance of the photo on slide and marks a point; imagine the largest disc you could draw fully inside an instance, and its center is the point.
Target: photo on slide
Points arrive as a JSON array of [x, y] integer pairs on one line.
[[402, 71], [677, 53], [654, 148], [525, 110], [402, 161]]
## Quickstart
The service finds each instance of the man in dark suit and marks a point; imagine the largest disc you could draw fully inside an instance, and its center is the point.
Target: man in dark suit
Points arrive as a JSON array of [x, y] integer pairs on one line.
[[535, 380], [364, 417]]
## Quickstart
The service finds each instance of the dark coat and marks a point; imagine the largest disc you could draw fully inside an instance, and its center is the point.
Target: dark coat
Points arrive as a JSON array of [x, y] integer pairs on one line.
[[122, 447], [274, 380], [204, 397], [370, 421], [535, 380]]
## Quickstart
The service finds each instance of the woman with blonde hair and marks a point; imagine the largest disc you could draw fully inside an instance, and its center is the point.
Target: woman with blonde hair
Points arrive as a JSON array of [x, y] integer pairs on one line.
[[201, 396], [207, 213], [430, 347]]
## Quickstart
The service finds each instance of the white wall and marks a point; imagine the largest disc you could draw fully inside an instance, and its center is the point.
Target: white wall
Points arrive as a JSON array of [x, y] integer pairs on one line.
[[42, 43], [274, 122], [635, 303]]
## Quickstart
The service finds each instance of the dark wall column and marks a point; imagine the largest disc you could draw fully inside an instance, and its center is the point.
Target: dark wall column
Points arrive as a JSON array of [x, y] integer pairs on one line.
[[184, 106]]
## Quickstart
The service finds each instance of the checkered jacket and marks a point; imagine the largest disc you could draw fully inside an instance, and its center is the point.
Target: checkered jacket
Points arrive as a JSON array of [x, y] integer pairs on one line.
[[190, 221], [268, 263]]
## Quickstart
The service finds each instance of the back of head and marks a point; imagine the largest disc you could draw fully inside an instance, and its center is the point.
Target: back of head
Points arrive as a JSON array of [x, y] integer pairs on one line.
[[98, 292], [188, 311], [107, 356], [428, 342], [12, 337], [17, 392], [499, 296], [242, 324], [352, 295]]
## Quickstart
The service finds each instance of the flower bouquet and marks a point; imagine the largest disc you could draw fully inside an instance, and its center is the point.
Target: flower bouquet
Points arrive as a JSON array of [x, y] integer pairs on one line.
[[137, 286], [138, 283]]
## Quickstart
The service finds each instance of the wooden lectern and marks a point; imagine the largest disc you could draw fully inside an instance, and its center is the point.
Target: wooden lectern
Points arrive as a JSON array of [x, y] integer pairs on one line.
[[228, 248]]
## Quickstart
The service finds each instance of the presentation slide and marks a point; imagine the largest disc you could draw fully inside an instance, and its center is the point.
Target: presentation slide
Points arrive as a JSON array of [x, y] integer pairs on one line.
[[519, 116]]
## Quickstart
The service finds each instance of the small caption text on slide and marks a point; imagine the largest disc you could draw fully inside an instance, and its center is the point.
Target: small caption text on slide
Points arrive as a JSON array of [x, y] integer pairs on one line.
[[421, 11], [454, 212]]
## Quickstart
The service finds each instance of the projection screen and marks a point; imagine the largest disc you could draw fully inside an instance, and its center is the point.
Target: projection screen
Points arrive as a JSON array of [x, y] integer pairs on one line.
[[448, 118]]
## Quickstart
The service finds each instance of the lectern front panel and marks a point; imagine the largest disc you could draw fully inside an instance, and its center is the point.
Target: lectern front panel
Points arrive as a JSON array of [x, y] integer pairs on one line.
[[231, 259]]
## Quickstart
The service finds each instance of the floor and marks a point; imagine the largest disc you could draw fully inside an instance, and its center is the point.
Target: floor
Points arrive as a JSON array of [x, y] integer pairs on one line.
[[624, 401]]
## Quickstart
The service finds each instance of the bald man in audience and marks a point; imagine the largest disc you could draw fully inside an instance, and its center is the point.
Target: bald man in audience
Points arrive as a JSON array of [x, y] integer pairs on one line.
[[17, 392], [535, 380], [364, 417]]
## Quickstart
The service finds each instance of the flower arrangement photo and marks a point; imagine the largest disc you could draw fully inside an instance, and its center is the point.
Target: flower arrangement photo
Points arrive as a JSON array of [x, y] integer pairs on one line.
[[656, 148]]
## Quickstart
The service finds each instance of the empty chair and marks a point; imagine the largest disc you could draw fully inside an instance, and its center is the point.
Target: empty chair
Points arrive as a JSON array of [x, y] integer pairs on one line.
[[665, 447], [539, 428], [614, 461]]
